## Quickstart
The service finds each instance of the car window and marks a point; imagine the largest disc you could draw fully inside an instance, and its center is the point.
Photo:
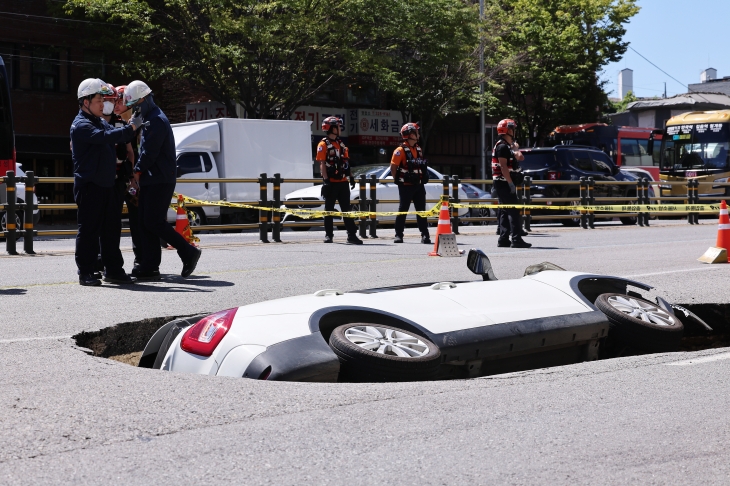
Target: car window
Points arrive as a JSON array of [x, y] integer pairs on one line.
[[537, 160], [433, 175], [582, 161], [207, 163], [601, 163], [188, 163], [370, 169]]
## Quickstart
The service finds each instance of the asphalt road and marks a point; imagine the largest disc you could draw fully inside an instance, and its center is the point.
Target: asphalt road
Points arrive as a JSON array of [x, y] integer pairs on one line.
[[69, 417]]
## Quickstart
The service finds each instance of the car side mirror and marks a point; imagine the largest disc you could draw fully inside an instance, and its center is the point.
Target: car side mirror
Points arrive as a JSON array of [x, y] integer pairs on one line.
[[478, 262]]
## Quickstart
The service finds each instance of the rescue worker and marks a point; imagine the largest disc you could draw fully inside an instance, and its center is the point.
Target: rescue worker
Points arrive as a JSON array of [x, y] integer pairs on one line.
[[410, 173], [155, 172], [505, 173], [334, 165], [94, 159]]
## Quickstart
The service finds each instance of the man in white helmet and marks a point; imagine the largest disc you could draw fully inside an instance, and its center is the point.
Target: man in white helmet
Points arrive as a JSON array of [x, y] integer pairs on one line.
[[94, 158], [156, 172]]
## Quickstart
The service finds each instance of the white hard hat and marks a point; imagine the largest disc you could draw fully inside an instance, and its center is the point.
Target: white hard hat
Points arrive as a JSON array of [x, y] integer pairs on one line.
[[92, 86], [134, 91]]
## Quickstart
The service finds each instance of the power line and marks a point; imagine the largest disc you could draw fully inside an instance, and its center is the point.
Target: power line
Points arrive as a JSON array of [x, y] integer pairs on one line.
[[55, 18], [662, 70]]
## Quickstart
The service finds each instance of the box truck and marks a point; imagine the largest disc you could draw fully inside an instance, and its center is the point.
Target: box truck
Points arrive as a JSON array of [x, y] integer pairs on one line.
[[239, 148]]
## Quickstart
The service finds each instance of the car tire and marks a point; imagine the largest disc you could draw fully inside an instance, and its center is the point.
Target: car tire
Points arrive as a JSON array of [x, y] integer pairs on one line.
[[630, 220], [575, 221], [19, 217], [196, 217], [399, 355], [640, 324]]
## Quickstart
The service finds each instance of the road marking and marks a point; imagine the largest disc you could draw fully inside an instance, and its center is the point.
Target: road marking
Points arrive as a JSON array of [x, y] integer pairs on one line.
[[700, 269], [44, 338], [705, 359]]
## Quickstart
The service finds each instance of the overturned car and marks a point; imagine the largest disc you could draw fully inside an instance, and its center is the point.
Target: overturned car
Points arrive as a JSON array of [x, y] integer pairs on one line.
[[424, 331]]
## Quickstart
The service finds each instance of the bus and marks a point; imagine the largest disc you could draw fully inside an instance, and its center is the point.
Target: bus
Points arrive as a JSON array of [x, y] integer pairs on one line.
[[7, 135], [696, 146], [627, 146]]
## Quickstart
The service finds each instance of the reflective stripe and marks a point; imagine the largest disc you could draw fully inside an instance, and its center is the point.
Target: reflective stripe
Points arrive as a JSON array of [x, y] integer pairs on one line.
[[444, 221], [28, 225], [182, 216], [723, 227], [723, 212]]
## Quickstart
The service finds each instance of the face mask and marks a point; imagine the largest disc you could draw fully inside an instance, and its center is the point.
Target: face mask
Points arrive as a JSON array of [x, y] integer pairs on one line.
[[108, 108]]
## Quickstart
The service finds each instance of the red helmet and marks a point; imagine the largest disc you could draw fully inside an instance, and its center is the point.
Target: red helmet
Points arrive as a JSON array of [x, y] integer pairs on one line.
[[113, 96], [409, 128], [120, 90], [330, 121], [504, 125]]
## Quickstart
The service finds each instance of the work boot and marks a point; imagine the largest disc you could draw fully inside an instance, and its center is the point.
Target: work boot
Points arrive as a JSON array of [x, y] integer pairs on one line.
[[190, 265], [398, 239], [425, 239], [328, 239], [145, 274], [121, 279], [504, 243], [521, 244], [89, 280], [353, 240]]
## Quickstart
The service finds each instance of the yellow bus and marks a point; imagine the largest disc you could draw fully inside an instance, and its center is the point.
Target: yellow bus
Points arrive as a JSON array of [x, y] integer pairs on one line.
[[696, 145]]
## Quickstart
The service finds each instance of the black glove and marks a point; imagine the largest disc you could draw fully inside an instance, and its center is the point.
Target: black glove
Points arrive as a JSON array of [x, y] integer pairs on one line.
[[352, 183]]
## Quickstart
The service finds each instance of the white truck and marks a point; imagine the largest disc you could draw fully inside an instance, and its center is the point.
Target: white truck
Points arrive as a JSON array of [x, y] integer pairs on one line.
[[239, 148]]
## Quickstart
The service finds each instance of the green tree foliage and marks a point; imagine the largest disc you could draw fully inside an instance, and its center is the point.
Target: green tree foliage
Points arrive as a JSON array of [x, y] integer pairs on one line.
[[620, 106], [557, 48]]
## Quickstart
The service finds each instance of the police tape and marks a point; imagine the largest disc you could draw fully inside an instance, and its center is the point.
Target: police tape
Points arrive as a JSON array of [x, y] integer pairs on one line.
[[613, 208], [434, 211], [311, 213]]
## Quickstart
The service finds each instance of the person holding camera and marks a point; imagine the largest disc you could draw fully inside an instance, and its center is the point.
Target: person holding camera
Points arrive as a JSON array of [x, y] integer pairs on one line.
[[506, 175], [334, 165], [410, 174]]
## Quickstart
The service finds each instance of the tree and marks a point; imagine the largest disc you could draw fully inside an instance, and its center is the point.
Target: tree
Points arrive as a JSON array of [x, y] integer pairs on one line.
[[270, 56], [562, 45]]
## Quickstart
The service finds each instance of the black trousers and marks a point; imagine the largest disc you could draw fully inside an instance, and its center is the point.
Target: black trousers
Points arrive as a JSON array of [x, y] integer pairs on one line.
[[132, 214], [509, 219], [154, 200], [99, 228], [417, 195], [333, 193]]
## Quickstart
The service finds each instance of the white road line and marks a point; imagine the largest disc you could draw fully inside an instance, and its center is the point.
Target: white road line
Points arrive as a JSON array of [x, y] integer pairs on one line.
[[700, 269], [44, 338], [705, 359]]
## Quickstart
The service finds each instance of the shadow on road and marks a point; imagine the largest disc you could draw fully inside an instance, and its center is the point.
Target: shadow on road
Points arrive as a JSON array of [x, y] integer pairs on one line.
[[190, 284], [13, 291]]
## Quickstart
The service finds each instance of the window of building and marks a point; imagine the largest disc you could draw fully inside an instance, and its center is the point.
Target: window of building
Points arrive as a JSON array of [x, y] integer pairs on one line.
[[94, 66], [44, 68]]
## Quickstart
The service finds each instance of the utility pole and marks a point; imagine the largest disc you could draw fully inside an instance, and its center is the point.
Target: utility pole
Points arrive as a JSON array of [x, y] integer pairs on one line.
[[482, 121]]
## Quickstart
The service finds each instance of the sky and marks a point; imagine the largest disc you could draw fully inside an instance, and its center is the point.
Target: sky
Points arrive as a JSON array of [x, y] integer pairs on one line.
[[682, 37]]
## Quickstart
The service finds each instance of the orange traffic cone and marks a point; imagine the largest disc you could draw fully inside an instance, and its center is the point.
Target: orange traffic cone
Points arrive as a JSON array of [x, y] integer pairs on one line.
[[182, 224], [443, 228], [719, 253]]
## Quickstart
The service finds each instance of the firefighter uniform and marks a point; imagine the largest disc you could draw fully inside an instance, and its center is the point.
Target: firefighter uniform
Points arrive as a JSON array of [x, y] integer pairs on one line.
[[336, 186], [410, 176]]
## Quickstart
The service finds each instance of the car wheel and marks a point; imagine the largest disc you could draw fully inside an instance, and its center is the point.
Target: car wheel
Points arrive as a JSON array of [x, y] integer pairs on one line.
[[377, 353], [576, 220], [18, 225], [630, 220], [481, 213], [196, 217], [640, 324]]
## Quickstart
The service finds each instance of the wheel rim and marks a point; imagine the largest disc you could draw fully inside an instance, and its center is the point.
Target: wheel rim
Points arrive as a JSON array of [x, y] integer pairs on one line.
[[641, 310], [575, 212], [484, 213], [385, 341], [194, 218]]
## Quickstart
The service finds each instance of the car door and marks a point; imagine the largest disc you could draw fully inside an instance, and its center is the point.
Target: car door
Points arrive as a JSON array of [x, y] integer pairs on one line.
[[603, 170], [212, 189], [387, 191]]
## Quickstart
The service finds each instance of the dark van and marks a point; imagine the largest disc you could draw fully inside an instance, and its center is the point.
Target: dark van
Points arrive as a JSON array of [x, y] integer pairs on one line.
[[7, 135]]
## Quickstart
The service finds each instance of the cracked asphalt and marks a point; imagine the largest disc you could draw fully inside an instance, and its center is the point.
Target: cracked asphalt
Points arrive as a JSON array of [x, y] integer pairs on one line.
[[68, 417]]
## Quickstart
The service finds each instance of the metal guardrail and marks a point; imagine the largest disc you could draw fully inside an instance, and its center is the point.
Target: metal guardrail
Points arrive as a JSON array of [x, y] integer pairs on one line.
[[368, 200]]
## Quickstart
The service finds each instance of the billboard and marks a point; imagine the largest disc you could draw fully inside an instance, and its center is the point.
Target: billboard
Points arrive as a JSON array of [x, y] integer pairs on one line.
[[374, 127], [316, 114]]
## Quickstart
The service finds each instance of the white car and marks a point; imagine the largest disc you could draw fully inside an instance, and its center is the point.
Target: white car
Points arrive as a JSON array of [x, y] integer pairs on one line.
[[383, 191], [20, 197], [422, 331]]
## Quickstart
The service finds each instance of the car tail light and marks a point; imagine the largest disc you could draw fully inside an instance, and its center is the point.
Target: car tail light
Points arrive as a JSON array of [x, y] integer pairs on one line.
[[205, 335], [553, 175]]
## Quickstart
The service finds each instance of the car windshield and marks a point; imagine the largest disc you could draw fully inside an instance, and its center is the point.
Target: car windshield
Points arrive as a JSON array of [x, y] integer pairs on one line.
[[701, 146], [537, 160], [368, 170]]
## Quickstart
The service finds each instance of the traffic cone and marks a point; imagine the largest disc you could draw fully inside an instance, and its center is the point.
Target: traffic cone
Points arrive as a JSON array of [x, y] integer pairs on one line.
[[443, 228], [718, 253], [182, 224]]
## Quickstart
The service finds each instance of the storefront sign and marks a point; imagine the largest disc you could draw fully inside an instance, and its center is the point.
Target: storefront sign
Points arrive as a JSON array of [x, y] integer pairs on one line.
[[316, 114], [209, 110], [375, 127]]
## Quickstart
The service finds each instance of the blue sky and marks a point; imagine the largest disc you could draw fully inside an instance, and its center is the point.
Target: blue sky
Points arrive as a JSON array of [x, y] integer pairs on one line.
[[683, 37]]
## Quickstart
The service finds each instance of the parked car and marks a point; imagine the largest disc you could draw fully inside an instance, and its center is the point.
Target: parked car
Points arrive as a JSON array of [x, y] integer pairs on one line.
[[422, 331], [473, 192], [384, 191], [570, 163]]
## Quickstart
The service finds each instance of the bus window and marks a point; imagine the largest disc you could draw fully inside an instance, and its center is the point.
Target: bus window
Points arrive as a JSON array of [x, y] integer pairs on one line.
[[644, 152], [630, 152]]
